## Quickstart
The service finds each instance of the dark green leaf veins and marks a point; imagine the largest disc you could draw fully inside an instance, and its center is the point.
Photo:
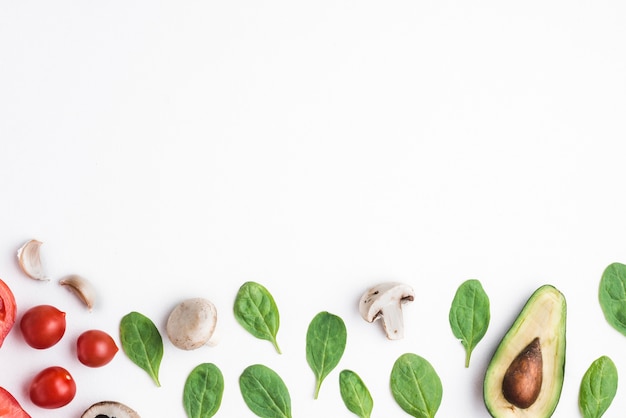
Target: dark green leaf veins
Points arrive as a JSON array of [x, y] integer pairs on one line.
[[256, 311], [203, 390], [142, 343], [325, 343], [355, 394], [598, 388], [415, 386], [264, 392], [612, 296], [469, 315]]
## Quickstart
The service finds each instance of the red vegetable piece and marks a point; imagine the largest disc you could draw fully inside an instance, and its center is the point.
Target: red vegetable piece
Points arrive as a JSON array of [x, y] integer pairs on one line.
[[7, 310], [10, 407]]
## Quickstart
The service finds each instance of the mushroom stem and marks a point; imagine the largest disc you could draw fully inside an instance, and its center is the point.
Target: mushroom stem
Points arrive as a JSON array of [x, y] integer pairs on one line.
[[393, 322], [385, 300], [214, 340]]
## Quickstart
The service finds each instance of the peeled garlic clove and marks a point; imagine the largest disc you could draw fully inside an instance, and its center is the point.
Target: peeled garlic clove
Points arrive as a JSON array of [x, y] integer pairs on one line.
[[30, 260], [81, 287]]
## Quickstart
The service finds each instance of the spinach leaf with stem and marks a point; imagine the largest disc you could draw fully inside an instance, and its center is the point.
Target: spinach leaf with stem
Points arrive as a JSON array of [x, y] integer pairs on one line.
[[598, 388], [415, 386], [203, 390], [142, 343], [612, 296], [469, 315], [325, 343], [355, 394], [256, 311], [265, 392]]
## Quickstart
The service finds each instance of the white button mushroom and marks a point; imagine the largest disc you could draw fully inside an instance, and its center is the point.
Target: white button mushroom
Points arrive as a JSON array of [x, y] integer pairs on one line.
[[109, 409], [385, 300], [192, 324]]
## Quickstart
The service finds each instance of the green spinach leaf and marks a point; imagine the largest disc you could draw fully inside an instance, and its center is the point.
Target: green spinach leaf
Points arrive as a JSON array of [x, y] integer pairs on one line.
[[355, 394], [256, 311], [415, 386], [469, 315], [612, 296], [265, 392], [203, 390], [325, 343], [142, 343], [598, 388]]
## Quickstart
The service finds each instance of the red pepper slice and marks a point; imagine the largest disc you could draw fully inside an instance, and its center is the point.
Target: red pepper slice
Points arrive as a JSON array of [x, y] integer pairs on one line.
[[7, 311], [9, 406]]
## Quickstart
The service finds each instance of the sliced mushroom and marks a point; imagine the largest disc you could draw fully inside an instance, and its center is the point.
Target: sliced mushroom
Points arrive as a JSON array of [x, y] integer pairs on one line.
[[29, 259], [385, 300], [192, 323], [109, 409], [81, 287]]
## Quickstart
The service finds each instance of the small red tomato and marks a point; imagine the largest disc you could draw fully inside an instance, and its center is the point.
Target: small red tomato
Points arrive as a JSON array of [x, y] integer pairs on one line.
[[43, 326], [95, 348], [52, 388], [7, 310]]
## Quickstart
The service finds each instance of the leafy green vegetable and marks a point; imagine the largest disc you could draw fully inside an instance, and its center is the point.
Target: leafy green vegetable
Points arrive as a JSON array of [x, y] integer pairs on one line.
[[598, 388], [355, 394], [469, 315], [256, 311], [415, 386], [325, 344], [202, 394], [265, 392], [612, 296], [142, 343]]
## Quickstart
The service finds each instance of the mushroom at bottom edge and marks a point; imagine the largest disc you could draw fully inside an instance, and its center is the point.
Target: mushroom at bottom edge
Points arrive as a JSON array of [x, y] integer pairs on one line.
[[109, 409]]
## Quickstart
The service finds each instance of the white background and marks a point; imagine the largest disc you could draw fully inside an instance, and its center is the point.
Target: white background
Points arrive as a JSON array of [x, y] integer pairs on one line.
[[167, 150]]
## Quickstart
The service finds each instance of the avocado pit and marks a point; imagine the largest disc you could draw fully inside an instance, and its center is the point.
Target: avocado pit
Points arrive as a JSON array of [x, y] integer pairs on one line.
[[522, 381]]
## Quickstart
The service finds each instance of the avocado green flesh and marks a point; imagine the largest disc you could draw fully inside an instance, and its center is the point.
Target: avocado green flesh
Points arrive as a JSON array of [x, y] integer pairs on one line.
[[543, 317]]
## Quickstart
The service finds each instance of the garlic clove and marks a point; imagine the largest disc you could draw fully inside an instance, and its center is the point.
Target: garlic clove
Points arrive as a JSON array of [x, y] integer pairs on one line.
[[29, 259], [81, 287]]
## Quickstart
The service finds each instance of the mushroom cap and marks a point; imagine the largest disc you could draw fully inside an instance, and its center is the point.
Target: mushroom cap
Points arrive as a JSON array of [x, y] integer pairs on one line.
[[109, 409], [381, 295], [192, 323]]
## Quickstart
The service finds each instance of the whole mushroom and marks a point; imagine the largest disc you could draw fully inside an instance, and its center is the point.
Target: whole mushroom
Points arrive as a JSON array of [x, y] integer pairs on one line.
[[192, 324], [385, 301], [109, 409]]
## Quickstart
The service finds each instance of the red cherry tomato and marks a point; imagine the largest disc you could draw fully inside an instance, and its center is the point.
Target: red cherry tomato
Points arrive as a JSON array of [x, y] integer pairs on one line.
[[43, 326], [7, 310], [95, 348], [9, 406], [53, 387]]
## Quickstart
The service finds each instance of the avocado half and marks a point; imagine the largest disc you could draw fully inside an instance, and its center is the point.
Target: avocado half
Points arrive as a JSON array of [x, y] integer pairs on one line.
[[525, 375]]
